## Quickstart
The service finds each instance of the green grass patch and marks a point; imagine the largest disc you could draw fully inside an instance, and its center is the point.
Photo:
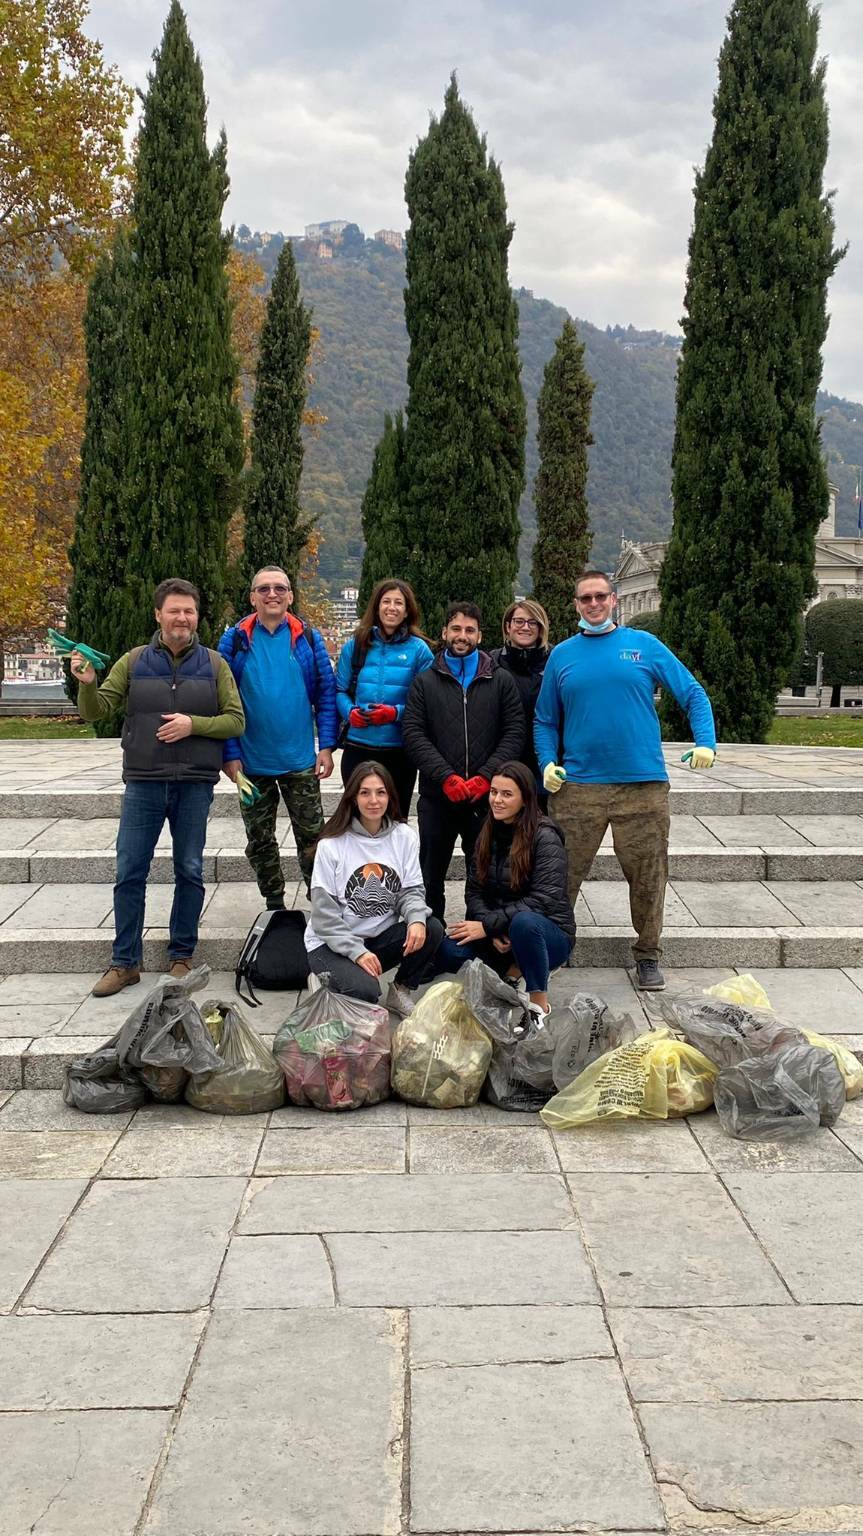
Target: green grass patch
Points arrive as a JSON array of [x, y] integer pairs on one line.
[[43, 728], [829, 731]]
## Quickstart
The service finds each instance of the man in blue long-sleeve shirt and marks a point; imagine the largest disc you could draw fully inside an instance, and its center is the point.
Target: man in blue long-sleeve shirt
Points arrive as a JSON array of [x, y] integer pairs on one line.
[[599, 750]]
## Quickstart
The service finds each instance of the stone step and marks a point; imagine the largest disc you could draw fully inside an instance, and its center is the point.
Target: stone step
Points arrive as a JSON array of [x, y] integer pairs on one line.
[[75, 866], [46, 950], [713, 799]]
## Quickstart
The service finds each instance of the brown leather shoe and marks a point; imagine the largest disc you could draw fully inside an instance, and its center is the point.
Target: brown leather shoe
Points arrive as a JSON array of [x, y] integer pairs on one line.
[[115, 979], [179, 969]]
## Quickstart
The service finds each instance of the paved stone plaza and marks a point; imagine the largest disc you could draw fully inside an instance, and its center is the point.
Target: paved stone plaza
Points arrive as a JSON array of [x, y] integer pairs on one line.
[[409, 1321]]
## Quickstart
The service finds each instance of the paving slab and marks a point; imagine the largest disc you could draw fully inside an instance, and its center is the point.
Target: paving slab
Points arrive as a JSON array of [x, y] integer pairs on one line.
[[291, 1117], [811, 1224], [828, 831], [739, 1354], [821, 903], [693, 832], [797, 1465], [754, 832], [54, 1154], [502, 1335], [824, 1000], [430, 1269], [204, 1151], [19, 831], [608, 902], [141, 1246], [475, 1117], [32, 1020], [45, 1060], [334, 1148], [823, 947], [31, 1215], [12, 1061], [37, 1109], [585, 1468], [458, 1202], [12, 897], [671, 1239], [57, 989], [275, 1272], [734, 904], [630, 1146], [822, 1151], [522, 1149], [77, 1474], [57, 906], [96, 1362], [271, 1441], [75, 834]]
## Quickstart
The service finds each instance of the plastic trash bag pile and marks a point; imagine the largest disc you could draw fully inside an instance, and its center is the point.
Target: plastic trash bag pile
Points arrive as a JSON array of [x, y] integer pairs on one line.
[[334, 1052]]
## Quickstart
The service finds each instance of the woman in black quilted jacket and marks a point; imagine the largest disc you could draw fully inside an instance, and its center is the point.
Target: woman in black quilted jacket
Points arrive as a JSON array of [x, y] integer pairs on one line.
[[524, 654], [518, 916]]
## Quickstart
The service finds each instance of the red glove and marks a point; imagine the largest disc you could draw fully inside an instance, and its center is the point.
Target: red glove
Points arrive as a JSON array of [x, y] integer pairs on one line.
[[357, 717], [455, 788], [477, 786], [381, 714]]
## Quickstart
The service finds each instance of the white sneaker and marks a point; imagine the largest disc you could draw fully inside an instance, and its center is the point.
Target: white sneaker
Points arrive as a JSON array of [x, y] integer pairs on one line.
[[399, 1000]]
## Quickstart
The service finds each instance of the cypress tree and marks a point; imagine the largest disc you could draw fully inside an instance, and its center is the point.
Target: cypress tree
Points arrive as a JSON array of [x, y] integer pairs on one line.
[[562, 523], [464, 438], [99, 549], [187, 439], [385, 551], [275, 532], [749, 482]]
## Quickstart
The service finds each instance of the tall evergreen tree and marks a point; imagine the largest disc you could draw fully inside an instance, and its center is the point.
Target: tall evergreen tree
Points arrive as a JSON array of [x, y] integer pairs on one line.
[[275, 532], [99, 549], [385, 551], [187, 438], [562, 522], [464, 439], [749, 482]]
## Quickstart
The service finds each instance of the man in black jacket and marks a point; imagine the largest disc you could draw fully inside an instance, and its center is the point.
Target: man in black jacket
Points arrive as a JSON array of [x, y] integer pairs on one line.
[[462, 719]]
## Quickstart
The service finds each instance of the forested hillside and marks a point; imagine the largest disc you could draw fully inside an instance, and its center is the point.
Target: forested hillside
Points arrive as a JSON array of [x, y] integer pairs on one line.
[[356, 300]]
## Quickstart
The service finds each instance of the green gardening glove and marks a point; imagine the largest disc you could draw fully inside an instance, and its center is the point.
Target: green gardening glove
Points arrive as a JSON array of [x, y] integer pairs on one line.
[[248, 792], [553, 778], [699, 757], [97, 659]]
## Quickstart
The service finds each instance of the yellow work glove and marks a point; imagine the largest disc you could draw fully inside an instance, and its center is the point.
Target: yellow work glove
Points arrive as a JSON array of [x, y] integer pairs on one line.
[[553, 778], [699, 757], [247, 791]]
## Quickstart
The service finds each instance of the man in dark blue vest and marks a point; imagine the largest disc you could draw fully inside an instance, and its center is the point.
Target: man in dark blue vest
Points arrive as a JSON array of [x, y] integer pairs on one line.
[[180, 703]]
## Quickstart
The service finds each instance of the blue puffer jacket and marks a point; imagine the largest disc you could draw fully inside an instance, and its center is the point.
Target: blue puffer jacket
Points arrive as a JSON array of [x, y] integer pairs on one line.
[[315, 665], [389, 667]]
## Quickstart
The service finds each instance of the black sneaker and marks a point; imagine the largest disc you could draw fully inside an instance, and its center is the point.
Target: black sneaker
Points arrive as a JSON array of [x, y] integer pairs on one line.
[[648, 976]]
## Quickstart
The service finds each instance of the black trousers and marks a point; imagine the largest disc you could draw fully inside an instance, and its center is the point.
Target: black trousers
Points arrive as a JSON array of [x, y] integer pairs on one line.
[[441, 823], [394, 759], [348, 977]]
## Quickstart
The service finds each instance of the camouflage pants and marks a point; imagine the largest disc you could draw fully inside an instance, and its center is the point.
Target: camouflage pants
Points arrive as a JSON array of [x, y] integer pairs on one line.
[[639, 821], [301, 793]]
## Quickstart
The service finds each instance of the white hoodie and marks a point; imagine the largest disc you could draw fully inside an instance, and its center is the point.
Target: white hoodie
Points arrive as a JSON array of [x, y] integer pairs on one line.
[[362, 884]]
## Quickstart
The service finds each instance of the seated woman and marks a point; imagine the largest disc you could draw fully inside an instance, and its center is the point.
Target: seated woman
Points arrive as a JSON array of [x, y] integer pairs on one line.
[[518, 914], [368, 903]]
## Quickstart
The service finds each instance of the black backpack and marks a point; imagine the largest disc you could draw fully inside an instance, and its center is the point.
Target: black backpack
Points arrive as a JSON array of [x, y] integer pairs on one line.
[[273, 956]]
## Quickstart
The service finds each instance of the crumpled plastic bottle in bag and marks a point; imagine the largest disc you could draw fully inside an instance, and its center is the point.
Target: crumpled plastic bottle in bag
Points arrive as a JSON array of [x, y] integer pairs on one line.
[[779, 1095], [441, 1053], [248, 1080]]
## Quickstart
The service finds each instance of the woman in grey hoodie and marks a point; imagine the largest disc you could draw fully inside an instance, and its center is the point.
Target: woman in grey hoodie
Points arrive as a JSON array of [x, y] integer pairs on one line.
[[369, 907]]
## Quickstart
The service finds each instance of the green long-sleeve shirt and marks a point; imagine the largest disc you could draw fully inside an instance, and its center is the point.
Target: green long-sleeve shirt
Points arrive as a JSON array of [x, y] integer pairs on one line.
[[98, 701]]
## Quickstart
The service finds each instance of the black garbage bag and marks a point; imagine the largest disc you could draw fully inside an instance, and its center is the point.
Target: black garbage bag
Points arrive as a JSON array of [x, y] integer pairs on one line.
[[165, 1040], [101, 1085], [587, 1031], [779, 1095]]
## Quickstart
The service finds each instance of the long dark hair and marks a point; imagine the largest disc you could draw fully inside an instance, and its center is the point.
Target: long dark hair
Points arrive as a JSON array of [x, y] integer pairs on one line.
[[346, 809], [363, 631], [526, 823]]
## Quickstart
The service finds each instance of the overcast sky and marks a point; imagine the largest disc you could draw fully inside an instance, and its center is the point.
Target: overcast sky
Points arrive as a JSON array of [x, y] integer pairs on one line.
[[597, 111]]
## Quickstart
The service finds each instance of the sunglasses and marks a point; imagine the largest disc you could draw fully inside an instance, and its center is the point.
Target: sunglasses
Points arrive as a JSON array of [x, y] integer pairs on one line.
[[276, 591], [594, 597]]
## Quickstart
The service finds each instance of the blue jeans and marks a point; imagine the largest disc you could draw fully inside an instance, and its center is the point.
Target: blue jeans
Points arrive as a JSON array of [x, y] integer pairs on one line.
[[146, 805], [538, 947]]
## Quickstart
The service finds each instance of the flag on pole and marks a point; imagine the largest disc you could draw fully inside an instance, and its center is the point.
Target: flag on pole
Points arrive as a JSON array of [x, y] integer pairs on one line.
[[859, 495]]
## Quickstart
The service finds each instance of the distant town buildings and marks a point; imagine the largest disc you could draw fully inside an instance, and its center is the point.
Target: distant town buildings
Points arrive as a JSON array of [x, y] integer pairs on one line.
[[343, 617], [330, 229], [324, 250], [391, 237]]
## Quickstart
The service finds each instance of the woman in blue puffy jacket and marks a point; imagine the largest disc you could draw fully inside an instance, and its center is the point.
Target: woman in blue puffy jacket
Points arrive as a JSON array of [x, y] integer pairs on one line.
[[374, 672]]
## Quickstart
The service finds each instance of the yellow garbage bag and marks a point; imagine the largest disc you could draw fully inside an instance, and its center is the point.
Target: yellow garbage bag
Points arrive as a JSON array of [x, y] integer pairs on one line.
[[655, 1077], [744, 990], [846, 1061]]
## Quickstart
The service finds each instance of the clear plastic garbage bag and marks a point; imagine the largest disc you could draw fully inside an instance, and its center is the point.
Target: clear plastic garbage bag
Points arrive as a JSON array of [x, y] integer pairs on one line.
[[726, 1032], [334, 1051], [503, 1013], [248, 1080], [779, 1095], [100, 1085], [850, 1068], [654, 1077], [744, 990], [165, 1041], [593, 1030], [441, 1053]]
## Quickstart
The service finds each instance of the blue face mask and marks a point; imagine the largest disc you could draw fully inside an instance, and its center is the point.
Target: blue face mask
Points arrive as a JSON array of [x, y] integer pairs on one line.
[[597, 629]]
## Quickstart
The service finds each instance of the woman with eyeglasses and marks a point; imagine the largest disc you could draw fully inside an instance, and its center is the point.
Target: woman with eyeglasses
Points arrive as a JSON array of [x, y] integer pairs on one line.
[[524, 653], [374, 672], [518, 916]]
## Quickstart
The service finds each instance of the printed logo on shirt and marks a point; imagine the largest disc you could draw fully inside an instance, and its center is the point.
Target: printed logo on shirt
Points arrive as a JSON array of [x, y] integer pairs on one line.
[[629, 655], [372, 890]]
